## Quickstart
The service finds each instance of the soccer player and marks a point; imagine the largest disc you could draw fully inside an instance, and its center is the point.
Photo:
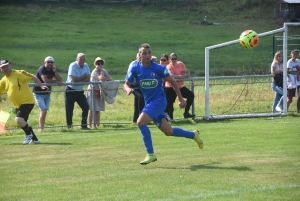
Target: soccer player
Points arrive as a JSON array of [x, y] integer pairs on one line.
[[149, 75], [15, 82]]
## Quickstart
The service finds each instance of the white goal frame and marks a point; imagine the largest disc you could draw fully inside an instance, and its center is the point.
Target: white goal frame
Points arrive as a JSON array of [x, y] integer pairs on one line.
[[284, 29]]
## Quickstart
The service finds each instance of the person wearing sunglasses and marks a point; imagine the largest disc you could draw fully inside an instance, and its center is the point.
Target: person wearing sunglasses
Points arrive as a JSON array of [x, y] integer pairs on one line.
[[164, 60], [79, 72], [98, 74], [148, 76], [15, 83], [178, 70], [45, 74]]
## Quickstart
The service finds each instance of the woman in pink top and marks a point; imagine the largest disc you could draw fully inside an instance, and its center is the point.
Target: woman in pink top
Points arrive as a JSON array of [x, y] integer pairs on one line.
[[178, 70]]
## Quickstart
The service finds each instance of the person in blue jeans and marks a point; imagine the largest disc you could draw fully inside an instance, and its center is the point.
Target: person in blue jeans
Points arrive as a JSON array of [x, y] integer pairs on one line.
[[45, 74], [149, 75], [277, 81]]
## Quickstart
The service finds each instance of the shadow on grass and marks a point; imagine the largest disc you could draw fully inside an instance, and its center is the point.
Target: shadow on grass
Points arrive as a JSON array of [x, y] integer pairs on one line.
[[43, 143], [196, 121], [212, 166]]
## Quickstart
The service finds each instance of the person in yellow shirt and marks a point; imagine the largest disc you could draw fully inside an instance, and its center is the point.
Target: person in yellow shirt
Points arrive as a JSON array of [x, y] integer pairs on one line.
[[15, 83]]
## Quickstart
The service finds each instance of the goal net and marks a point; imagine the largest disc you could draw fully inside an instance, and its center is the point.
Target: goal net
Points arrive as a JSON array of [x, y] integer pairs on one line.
[[245, 89]]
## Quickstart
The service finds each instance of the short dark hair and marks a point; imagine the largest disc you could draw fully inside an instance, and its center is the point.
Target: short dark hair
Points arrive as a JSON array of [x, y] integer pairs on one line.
[[144, 45], [164, 55]]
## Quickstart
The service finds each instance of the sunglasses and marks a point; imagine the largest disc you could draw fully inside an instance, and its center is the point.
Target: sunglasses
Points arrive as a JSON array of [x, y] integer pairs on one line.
[[174, 59], [50, 62], [163, 59], [99, 63]]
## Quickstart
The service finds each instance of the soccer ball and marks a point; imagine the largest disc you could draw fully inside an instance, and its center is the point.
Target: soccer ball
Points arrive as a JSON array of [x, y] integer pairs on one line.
[[249, 39]]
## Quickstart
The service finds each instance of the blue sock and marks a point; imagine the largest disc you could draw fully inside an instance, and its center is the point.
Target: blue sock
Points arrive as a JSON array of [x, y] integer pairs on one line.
[[147, 138], [179, 132]]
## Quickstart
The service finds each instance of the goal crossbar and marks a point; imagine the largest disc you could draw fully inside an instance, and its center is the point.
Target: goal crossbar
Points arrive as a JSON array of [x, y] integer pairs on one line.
[[284, 30]]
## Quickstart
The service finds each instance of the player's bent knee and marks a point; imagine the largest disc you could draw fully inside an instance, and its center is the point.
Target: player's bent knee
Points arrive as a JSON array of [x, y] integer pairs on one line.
[[20, 121]]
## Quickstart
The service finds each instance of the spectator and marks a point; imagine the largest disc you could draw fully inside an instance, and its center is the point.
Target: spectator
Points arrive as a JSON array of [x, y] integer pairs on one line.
[[15, 83], [98, 74], [277, 81], [138, 96], [178, 70], [293, 68], [45, 74], [78, 72], [149, 75], [154, 59], [164, 60]]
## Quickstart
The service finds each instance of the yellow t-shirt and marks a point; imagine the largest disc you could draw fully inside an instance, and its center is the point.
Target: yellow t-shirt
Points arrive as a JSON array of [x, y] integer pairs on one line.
[[16, 86]]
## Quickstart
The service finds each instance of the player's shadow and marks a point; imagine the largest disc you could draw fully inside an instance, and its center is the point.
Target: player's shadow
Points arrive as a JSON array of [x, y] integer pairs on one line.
[[212, 166], [43, 143]]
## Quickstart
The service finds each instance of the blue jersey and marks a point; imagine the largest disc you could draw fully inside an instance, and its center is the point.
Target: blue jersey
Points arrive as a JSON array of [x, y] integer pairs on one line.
[[149, 80]]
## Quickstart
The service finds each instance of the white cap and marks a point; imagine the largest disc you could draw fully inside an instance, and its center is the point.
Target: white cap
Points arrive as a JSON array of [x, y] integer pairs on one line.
[[49, 59]]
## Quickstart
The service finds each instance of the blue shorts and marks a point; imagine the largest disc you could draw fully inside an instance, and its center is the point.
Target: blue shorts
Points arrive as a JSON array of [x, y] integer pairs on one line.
[[155, 110], [42, 100]]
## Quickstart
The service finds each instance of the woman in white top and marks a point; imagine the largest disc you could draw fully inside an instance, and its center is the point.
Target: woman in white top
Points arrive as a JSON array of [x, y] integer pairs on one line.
[[293, 68], [277, 81], [98, 74]]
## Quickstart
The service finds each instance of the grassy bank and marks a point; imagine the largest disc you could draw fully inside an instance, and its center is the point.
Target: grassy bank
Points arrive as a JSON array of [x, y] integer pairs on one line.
[[114, 32]]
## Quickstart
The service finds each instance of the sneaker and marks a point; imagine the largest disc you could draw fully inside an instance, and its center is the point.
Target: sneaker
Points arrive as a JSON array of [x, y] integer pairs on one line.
[[278, 108], [85, 128], [197, 139], [188, 115], [149, 158], [35, 141], [27, 138]]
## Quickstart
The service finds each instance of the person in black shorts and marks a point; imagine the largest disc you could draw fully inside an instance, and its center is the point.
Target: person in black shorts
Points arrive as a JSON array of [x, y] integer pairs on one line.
[[15, 83]]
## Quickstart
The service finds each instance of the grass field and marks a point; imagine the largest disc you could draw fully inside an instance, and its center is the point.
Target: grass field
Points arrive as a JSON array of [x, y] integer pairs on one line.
[[243, 159], [249, 159]]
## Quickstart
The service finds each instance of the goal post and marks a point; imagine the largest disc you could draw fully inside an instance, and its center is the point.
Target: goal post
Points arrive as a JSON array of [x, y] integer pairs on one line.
[[208, 115]]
